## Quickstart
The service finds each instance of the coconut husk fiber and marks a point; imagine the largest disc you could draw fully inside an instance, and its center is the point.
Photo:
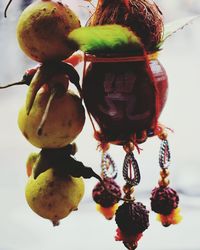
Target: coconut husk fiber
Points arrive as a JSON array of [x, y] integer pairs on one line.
[[142, 16]]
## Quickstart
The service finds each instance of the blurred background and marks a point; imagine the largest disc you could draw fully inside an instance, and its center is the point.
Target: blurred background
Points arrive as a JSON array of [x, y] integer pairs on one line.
[[22, 229]]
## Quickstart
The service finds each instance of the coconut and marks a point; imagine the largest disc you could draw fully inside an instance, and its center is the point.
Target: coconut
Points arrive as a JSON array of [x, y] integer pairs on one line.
[[142, 16]]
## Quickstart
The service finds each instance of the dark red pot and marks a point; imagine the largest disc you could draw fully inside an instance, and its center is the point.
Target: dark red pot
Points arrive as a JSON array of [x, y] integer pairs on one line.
[[123, 98]]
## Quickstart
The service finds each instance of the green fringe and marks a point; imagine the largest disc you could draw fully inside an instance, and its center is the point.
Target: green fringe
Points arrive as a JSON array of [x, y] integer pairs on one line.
[[105, 39]]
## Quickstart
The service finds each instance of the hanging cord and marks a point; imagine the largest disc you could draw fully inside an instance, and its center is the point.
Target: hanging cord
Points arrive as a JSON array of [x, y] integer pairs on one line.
[[147, 60], [7, 6], [134, 141], [84, 74], [95, 59], [23, 82]]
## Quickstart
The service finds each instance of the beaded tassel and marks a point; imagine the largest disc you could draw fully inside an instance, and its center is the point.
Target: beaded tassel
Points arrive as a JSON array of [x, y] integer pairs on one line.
[[132, 217], [165, 200], [106, 203]]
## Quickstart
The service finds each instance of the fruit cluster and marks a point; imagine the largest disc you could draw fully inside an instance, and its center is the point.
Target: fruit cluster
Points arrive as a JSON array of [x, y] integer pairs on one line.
[[53, 115]]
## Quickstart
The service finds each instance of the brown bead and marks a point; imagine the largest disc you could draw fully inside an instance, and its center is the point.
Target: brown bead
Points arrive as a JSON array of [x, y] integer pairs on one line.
[[127, 189], [163, 135], [129, 147], [164, 173], [163, 182]]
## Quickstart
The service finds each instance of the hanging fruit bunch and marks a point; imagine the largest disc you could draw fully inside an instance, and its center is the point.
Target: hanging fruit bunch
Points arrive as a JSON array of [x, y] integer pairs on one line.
[[53, 115]]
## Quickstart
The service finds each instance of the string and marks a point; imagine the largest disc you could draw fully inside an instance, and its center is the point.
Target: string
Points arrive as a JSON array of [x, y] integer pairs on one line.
[[97, 59], [154, 84], [7, 6], [84, 74]]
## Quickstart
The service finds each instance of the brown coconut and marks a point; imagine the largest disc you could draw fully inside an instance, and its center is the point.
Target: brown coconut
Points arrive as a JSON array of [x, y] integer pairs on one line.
[[142, 16]]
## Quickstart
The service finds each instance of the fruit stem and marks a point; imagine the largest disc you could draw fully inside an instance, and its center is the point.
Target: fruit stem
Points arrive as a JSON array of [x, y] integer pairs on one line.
[[44, 117], [7, 6], [56, 223], [37, 81], [13, 84]]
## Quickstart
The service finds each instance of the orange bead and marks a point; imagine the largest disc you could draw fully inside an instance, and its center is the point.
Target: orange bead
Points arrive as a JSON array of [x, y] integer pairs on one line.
[[129, 147], [163, 182], [163, 135], [127, 189], [164, 173]]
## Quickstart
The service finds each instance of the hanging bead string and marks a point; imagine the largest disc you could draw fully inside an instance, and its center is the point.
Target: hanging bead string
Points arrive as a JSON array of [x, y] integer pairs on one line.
[[106, 164], [165, 200]]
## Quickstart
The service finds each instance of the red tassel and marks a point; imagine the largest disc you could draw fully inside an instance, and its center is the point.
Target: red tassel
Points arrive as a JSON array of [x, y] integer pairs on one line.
[[127, 238]]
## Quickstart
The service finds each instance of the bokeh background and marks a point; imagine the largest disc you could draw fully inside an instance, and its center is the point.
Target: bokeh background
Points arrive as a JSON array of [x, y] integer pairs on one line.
[[21, 229]]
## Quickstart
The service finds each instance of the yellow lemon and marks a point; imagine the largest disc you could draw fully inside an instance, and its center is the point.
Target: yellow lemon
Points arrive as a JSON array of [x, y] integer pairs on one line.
[[43, 28], [54, 197]]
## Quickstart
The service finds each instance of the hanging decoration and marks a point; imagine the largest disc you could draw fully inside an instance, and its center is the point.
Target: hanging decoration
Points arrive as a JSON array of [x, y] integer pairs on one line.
[[124, 90], [131, 217], [165, 200], [106, 203]]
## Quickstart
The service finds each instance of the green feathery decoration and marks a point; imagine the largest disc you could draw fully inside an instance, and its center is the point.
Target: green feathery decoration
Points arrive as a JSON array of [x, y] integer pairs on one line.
[[105, 39]]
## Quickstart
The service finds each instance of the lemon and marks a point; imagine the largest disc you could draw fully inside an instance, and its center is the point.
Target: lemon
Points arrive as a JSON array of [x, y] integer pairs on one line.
[[43, 28], [65, 120], [54, 197]]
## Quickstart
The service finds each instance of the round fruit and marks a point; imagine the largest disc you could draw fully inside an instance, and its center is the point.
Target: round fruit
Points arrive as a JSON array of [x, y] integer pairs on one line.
[[64, 122], [43, 28], [54, 197]]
